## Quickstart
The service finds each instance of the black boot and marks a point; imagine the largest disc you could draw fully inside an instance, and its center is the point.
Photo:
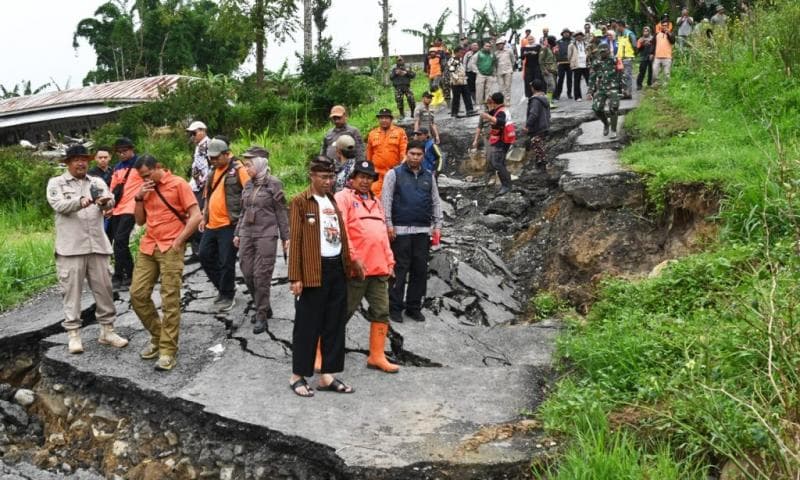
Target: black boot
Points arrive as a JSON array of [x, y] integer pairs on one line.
[[260, 326], [614, 119], [603, 118]]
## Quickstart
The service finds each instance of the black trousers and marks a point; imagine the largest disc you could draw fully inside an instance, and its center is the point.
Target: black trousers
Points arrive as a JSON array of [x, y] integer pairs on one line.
[[218, 258], [459, 92], [645, 68], [121, 228], [320, 313], [576, 81], [471, 76], [563, 72], [411, 259]]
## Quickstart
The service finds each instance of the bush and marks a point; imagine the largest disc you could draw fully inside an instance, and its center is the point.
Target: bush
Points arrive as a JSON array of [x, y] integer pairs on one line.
[[24, 177]]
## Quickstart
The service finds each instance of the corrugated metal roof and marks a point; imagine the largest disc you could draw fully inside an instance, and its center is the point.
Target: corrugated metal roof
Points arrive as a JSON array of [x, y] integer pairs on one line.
[[69, 112], [127, 91]]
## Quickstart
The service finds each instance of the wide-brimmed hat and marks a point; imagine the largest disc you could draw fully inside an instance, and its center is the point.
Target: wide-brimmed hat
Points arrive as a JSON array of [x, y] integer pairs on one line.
[[384, 112], [76, 151], [364, 166], [720, 8]]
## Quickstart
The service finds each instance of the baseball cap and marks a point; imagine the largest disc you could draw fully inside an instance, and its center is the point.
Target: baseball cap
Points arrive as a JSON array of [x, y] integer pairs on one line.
[[338, 111], [384, 112], [123, 142], [255, 151], [364, 166], [423, 130], [217, 147], [345, 142], [196, 125]]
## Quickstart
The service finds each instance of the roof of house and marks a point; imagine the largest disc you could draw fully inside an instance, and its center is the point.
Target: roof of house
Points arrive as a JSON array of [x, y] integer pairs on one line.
[[125, 92]]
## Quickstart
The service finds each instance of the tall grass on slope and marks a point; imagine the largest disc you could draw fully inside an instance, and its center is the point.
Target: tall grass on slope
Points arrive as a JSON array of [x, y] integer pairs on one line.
[[702, 361]]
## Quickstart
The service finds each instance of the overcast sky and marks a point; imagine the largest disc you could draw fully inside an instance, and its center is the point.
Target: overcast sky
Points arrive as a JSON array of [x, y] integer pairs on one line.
[[36, 37]]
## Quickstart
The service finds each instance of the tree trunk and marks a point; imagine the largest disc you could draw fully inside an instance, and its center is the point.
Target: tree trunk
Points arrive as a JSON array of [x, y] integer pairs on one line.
[[384, 40], [259, 27], [307, 28]]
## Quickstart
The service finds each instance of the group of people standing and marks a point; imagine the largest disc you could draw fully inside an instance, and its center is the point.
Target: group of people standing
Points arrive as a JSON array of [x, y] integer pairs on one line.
[[362, 230]]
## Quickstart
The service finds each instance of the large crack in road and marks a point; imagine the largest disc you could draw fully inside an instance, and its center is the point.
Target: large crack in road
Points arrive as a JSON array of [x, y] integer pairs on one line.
[[225, 411]]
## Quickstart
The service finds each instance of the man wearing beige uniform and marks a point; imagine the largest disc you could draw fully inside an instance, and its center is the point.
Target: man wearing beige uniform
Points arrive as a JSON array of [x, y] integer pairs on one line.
[[82, 248]]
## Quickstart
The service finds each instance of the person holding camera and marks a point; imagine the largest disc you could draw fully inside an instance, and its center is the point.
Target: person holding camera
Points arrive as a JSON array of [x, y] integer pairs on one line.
[[82, 249]]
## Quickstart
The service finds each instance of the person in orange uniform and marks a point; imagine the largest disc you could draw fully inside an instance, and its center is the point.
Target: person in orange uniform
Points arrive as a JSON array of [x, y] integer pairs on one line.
[[125, 182], [167, 205], [223, 206], [365, 224], [386, 147]]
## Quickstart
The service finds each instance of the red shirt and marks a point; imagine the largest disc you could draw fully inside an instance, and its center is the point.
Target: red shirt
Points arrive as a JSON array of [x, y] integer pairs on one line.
[[365, 224], [163, 227]]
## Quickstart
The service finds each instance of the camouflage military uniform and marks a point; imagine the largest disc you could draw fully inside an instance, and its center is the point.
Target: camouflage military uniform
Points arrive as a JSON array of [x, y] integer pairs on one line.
[[604, 86]]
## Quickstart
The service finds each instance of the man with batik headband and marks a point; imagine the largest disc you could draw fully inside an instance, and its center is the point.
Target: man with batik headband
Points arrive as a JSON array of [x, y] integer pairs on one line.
[[319, 264]]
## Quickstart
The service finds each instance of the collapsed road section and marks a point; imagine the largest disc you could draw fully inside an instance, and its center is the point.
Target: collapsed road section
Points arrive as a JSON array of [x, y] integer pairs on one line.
[[469, 374]]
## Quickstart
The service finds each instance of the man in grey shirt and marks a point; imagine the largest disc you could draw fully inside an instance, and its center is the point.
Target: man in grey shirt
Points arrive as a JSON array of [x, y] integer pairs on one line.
[[685, 25], [340, 127], [414, 222]]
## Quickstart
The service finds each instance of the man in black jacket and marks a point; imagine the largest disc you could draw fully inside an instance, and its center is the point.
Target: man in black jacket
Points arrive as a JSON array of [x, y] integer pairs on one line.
[[401, 77], [564, 70]]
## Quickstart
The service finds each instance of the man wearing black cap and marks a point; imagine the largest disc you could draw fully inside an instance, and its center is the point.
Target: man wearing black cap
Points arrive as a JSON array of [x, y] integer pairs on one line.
[[125, 182], [365, 224], [82, 248], [386, 145], [319, 264]]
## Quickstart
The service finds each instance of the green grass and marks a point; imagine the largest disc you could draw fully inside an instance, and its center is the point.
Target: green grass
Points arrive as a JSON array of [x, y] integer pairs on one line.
[[26, 253], [700, 363]]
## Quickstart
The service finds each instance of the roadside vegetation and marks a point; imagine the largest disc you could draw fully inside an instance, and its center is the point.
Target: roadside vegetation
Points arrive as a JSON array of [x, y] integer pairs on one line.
[[695, 371]]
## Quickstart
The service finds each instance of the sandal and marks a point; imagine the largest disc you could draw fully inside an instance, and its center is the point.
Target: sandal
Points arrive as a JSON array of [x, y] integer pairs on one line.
[[302, 383], [336, 386]]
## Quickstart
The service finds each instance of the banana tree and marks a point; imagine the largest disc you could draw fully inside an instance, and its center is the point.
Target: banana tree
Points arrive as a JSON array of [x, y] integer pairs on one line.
[[430, 32], [489, 21]]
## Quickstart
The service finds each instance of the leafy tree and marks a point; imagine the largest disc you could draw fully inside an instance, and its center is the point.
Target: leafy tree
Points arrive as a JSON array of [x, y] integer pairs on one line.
[[278, 18], [487, 20], [161, 36], [429, 33], [321, 22], [386, 21]]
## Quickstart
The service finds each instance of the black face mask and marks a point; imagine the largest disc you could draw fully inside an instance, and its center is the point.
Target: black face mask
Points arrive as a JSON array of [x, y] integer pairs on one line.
[[349, 153]]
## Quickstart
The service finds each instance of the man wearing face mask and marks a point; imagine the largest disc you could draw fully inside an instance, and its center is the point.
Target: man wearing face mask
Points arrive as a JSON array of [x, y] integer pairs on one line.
[[604, 86], [401, 77]]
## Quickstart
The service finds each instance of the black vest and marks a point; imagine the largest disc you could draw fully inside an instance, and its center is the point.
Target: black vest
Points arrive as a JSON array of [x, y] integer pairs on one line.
[[412, 202]]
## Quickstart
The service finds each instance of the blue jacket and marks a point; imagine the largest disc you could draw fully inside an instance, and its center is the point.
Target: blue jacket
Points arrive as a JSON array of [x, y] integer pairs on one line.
[[432, 161]]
